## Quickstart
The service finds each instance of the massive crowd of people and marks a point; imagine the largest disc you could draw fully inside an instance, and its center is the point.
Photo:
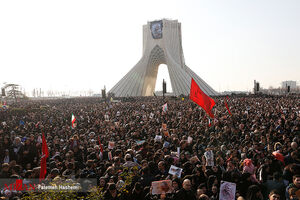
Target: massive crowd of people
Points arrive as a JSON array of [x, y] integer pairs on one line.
[[257, 147]]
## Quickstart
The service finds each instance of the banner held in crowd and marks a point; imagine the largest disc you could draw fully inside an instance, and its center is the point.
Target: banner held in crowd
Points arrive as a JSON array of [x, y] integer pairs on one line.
[[175, 171], [178, 152], [227, 190], [158, 138], [161, 187], [111, 145]]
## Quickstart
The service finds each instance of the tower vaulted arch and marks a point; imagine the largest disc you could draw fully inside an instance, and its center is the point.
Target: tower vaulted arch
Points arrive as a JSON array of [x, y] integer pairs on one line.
[[161, 45]]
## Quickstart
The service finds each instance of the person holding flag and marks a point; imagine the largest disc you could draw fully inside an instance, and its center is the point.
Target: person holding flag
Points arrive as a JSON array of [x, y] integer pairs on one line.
[[226, 105], [45, 155], [209, 123], [101, 148], [4, 106], [73, 120], [165, 107]]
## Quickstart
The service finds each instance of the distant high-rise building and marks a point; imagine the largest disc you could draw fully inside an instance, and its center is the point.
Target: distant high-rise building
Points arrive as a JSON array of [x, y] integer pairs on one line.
[[291, 84]]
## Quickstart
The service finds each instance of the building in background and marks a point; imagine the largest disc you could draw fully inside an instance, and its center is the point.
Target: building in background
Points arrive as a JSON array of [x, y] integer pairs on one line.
[[292, 84]]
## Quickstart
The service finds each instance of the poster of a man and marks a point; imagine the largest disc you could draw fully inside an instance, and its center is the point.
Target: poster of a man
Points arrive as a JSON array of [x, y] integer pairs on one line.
[[156, 29], [161, 187], [175, 171]]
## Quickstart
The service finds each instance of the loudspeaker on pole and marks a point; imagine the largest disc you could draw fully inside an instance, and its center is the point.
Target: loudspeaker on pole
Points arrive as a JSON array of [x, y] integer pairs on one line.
[[3, 92], [104, 93], [164, 87]]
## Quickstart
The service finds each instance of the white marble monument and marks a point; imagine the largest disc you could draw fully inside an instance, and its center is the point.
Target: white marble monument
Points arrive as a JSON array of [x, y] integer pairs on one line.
[[161, 45]]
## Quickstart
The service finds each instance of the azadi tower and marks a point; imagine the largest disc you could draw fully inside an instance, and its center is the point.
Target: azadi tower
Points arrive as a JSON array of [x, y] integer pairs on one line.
[[161, 45]]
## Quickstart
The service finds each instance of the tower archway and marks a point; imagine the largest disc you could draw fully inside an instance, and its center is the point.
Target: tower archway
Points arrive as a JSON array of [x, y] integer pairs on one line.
[[161, 45]]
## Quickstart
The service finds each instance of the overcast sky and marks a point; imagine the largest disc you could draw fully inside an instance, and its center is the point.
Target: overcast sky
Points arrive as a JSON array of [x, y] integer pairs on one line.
[[83, 45]]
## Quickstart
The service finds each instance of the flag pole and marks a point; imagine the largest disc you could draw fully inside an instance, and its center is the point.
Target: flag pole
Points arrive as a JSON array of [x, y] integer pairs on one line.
[[164, 85]]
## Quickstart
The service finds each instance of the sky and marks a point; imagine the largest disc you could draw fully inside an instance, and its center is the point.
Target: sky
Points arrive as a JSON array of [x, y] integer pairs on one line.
[[73, 46]]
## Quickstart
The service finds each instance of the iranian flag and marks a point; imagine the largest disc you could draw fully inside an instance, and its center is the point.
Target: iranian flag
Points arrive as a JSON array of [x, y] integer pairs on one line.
[[226, 105], [165, 107], [101, 149], [73, 121]]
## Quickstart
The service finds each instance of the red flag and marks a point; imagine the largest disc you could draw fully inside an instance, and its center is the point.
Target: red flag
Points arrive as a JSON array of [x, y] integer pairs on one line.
[[101, 149], [200, 98], [227, 106], [45, 154], [37, 124], [278, 156]]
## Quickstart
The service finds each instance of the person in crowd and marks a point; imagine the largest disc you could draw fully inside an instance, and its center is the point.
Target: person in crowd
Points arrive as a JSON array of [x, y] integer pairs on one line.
[[215, 192], [111, 192], [185, 192], [295, 185], [274, 195], [254, 193], [275, 184]]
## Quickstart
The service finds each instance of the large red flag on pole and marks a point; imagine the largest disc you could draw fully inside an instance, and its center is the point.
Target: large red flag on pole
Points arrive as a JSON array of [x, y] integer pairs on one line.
[[44, 157], [200, 98], [227, 106]]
